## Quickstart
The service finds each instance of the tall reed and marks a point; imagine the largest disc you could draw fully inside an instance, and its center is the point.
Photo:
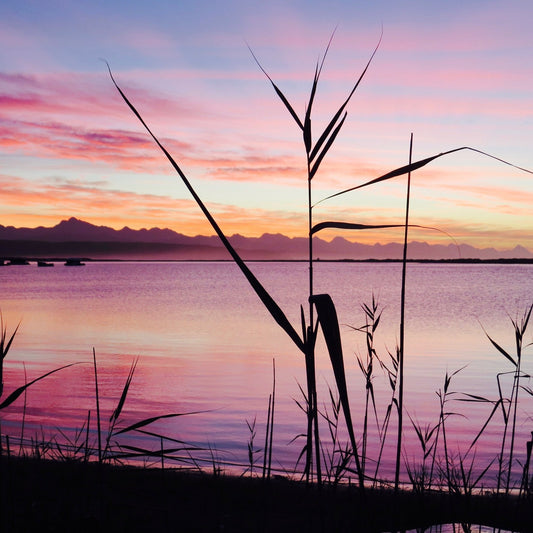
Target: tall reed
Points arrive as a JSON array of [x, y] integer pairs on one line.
[[6, 341], [520, 327], [445, 395], [326, 316], [110, 449], [372, 314], [507, 405]]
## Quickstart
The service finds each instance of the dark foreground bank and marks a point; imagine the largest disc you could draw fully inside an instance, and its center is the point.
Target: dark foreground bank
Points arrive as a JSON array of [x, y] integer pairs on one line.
[[67, 496]]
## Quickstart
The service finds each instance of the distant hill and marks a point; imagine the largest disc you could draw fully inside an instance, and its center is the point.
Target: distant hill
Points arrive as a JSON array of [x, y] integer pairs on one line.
[[77, 238]]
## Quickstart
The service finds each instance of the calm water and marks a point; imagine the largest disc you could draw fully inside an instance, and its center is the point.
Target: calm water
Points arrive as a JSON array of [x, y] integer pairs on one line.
[[205, 343]]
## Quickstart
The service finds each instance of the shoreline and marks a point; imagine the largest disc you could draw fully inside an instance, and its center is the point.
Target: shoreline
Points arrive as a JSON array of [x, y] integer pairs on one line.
[[35, 259], [52, 495]]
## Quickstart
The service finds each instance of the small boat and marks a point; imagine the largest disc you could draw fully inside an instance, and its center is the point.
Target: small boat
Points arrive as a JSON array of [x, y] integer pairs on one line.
[[44, 264], [74, 263], [18, 261]]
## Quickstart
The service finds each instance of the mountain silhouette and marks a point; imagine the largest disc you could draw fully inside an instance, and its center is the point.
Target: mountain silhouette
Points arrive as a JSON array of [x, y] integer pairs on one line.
[[74, 237]]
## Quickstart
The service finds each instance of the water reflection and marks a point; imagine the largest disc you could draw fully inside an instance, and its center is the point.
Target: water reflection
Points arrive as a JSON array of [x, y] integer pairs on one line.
[[206, 344]]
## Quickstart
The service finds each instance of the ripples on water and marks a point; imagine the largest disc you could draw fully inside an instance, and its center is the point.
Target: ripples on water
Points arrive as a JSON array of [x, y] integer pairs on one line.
[[205, 343]]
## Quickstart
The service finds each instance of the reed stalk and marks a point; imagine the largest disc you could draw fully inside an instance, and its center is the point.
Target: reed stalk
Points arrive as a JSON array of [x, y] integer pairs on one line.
[[25, 404], [420, 477], [267, 432], [315, 153], [272, 418], [444, 395], [510, 413], [520, 330], [372, 319], [251, 447], [525, 487], [97, 398], [392, 374], [402, 327]]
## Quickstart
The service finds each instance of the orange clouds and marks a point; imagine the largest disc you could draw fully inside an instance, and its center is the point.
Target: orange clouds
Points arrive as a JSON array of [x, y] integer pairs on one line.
[[72, 148], [29, 202]]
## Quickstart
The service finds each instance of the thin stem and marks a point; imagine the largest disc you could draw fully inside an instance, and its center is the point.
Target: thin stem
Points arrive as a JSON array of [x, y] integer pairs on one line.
[[518, 334], [310, 228], [97, 409], [402, 328], [272, 417], [310, 359], [265, 455]]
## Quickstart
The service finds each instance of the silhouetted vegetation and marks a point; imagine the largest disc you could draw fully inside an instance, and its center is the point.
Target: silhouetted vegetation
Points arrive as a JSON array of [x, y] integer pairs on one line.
[[445, 487]]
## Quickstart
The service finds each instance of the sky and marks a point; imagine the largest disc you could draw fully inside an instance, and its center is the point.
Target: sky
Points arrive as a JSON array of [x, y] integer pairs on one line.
[[452, 74]]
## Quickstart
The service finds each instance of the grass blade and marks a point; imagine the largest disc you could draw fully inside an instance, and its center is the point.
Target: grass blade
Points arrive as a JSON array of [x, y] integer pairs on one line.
[[419, 164], [327, 317], [307, 122], [279, 93], [265, 297], [16, 393], [152, 419], [4, 348], [116, 413], [331, 140], [120, 405], [98, 419], [502, 351], [339, 112], [348, 225]]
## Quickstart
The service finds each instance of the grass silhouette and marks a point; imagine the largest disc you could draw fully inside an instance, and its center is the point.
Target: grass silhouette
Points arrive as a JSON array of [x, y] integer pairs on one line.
[[321, 314]]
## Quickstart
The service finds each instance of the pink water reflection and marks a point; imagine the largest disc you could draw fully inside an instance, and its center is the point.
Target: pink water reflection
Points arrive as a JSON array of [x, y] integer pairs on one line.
[[205, 343]]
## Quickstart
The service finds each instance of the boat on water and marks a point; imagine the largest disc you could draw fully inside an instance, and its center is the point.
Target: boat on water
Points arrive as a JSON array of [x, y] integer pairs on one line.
[[44, 264], [18, 261], [74, 262]]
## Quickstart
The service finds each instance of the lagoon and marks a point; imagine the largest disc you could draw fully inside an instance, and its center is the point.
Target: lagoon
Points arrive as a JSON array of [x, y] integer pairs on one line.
[[205, 344]]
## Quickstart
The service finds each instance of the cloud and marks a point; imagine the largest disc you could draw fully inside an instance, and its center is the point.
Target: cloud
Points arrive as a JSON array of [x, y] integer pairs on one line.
[[451, 76], [95, 202]]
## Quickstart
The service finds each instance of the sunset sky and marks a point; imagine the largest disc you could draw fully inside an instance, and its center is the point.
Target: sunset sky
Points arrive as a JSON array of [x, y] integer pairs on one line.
[[452, 73]]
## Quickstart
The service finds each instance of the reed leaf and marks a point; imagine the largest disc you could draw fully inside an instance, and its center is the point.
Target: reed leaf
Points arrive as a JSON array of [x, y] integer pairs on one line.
[[307, 122], [502, 351], [152, 419], [144, 452], [327, 317], [265, 297], [330, 141], [17, 392], [5, 345], [160, 436], [341, 109], [116, 413], [304, 325], [419, 164], [474, 398], [278, 92], [308, 139], [480, 432], [349, 225]]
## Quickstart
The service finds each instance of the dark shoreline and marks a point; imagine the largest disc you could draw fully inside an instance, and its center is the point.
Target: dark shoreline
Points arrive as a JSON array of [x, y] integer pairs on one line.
[[39, 495]]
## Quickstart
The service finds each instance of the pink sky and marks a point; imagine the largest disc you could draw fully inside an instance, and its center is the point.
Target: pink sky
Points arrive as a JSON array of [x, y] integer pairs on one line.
[[453, 74]]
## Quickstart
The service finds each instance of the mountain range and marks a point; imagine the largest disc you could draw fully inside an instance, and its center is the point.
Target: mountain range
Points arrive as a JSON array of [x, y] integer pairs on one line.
[[76, 238]]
